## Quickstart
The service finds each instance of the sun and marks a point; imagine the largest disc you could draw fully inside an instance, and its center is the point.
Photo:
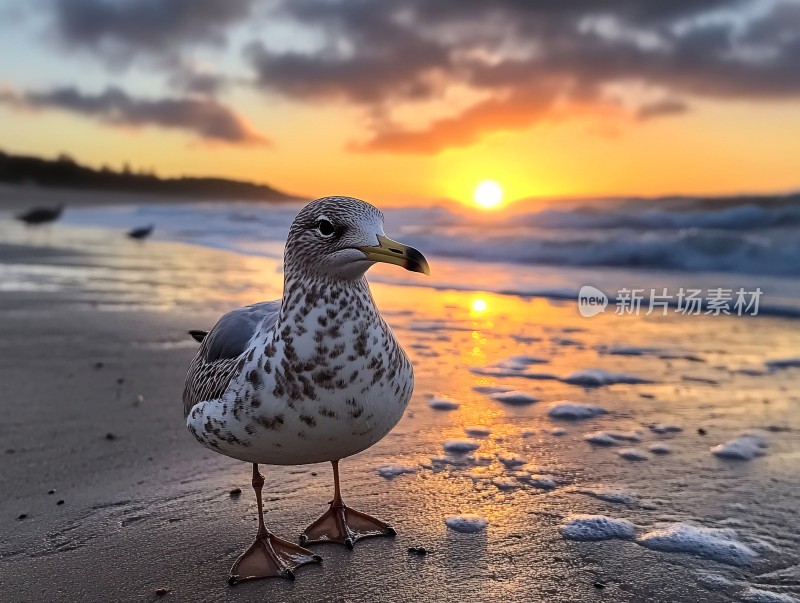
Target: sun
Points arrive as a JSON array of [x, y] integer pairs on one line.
[[479, 305], [488, 194]]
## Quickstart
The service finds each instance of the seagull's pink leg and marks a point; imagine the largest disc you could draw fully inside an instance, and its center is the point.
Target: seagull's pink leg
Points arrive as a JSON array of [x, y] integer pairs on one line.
[[269, 556]]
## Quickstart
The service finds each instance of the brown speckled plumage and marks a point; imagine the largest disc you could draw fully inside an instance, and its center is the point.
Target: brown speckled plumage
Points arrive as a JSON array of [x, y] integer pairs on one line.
[[315, 376]]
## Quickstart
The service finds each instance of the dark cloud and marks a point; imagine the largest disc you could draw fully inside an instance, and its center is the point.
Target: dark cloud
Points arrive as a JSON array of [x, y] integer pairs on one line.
[[369, 55], [127, 27], [523, 60], [662, 108], [531, 57], [197, 81], [205, 118]]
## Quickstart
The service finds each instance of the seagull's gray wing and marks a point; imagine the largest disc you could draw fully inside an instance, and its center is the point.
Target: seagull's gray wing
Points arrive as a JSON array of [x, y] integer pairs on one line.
[[216, 361]]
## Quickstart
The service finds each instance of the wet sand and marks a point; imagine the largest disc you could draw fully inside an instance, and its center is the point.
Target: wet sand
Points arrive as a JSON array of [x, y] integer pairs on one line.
[[145, 507]]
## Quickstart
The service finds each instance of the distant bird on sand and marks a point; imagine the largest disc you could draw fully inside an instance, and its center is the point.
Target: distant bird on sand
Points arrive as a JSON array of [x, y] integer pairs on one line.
[[41, 215], [316, 376], [142, 232]]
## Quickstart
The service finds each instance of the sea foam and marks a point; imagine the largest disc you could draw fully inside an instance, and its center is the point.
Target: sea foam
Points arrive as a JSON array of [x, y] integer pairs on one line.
[[460, 446], [743, 448], [600, 377], [469, 523], [392, 471], [596, 527], [721, 545], [574, 410], [632, 454], [477, 431], [514, 398], [441, 402]]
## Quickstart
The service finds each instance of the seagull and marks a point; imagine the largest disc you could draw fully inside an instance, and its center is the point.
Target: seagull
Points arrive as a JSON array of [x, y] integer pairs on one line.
[[141, 232], [316, 376], [41, 215]]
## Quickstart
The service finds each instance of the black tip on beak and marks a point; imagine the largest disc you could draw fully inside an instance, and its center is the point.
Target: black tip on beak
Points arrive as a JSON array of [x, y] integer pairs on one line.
[[416, 262], [392, 252]]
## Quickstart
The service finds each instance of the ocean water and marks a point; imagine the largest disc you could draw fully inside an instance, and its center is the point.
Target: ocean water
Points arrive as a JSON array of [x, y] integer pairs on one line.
[[528, 250]]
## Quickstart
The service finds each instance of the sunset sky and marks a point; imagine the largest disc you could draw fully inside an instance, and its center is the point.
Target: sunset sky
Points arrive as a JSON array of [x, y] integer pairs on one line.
[[414, 99]]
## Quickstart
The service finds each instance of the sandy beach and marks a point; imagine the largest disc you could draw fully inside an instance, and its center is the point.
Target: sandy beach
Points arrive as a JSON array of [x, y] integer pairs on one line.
[[615, 497]]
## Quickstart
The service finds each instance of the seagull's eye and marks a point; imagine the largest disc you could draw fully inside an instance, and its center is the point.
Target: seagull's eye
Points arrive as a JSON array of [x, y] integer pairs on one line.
[[325, 228]]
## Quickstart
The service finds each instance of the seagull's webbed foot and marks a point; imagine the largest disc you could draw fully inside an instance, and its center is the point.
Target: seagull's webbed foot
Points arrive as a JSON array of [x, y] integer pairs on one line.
[[344, 525], [270, 557]]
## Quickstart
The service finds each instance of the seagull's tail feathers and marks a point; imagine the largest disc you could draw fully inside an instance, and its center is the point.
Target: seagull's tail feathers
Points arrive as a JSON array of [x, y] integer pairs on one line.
[[198, 335]]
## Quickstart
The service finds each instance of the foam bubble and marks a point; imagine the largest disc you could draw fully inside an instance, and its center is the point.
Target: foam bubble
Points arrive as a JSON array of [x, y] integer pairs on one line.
[[469, 523], [600, 377], [392, 471], [460, 446], [511, 460], [441, 402], [721, 545], [596, 527], [632, 454], [612, 438], [574, 410], [665, 428], [660, 448], [477, 431], [628, 436], [514, 398], [743, 448], [600, 438], [543, 482]]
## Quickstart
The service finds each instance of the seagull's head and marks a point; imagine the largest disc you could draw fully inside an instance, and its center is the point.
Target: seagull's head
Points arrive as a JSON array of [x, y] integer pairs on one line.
[[341, 238]]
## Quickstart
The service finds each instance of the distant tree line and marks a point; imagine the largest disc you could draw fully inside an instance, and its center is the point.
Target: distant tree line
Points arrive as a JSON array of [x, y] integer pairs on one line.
[[65, 172]]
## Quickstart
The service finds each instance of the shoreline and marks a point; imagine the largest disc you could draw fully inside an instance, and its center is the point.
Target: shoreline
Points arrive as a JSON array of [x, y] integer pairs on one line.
[[15, 198]]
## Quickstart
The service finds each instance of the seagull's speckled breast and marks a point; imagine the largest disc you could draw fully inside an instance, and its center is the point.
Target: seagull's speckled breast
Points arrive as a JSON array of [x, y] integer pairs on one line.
[[328, 380]]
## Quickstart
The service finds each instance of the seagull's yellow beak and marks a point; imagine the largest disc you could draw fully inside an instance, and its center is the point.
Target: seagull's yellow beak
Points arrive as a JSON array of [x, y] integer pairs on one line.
[[392, 252]]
